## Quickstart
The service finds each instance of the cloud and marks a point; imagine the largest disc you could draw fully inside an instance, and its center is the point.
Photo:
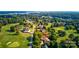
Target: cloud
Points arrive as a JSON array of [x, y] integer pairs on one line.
[[40, 5]]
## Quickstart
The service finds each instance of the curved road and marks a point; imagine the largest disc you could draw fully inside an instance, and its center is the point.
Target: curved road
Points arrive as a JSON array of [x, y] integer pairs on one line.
[[31, 39]]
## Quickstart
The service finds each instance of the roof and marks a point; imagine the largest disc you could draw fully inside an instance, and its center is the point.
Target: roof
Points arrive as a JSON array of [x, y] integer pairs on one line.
[[45, 39], [45, 34]]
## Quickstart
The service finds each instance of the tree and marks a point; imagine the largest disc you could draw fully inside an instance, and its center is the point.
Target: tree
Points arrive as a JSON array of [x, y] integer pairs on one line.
[[76, 39], [17, 29], [67, 44], [53, 44], [62, 44], [61, 33], [36, 39], [52, 35], [0, 27], [5, 22], [77, 28], [69, 27], [12, 28], [36, 42], [71, 36], [21, 22]]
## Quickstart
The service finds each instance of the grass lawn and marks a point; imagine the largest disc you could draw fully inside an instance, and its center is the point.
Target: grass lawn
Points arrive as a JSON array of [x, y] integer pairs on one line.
[[59, 28], [9, 39], [67, 33], [49, 24]]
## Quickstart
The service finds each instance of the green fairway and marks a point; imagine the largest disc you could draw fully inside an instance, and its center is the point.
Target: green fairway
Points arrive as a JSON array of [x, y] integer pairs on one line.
[[9, 39]]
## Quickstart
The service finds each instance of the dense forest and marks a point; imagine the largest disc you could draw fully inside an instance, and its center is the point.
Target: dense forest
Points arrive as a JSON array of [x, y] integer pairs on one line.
[[59, 14]]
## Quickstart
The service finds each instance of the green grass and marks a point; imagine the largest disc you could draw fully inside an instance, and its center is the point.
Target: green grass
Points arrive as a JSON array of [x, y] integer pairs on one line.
[[59, 39], [49, 24], [59, 28], [10, 40]]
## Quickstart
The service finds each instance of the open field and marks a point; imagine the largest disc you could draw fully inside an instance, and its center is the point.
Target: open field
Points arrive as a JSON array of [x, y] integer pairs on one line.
[[10, 39]]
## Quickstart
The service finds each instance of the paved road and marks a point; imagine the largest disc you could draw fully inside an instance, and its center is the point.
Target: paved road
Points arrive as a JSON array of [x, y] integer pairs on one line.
[[31, 41], [46, 46], [31, 38]]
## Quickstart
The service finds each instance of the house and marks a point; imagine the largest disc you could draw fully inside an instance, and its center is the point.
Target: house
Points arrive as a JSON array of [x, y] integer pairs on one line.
[[40, 26], [45, 34], [44, 40], [26, 29], [42, 30]]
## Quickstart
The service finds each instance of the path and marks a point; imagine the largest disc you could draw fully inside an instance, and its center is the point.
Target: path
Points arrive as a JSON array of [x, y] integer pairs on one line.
[[31, 38]]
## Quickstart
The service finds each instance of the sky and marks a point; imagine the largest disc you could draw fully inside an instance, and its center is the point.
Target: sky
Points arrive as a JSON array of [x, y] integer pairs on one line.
[[39, 5]]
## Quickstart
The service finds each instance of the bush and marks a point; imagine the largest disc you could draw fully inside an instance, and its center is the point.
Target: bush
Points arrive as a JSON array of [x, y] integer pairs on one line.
[[12, 28], [61, 33], [0, 27], [71, 36]]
